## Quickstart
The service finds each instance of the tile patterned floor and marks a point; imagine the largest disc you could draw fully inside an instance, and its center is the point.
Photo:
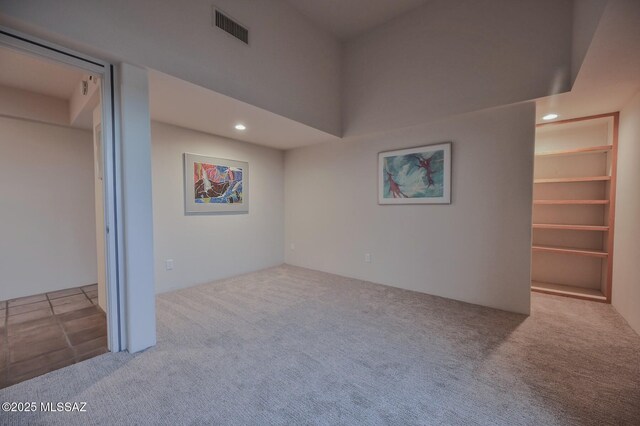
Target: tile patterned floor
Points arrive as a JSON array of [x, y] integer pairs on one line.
[[45, 332]]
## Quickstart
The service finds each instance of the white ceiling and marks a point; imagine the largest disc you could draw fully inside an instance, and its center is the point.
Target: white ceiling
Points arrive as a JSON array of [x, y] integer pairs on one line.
[[350, 18], [610, 73], [37, 75], [181, 103]]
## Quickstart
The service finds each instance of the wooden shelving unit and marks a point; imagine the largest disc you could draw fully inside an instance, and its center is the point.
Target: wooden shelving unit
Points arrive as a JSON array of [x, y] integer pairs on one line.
[[574, 179], [588, 150], [574, 207], [601, 228], [570, 250], [570, 202], [569, 291]]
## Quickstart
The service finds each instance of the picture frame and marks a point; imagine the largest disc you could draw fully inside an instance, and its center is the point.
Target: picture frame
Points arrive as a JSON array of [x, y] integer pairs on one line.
[[419, 175], [215, 185]]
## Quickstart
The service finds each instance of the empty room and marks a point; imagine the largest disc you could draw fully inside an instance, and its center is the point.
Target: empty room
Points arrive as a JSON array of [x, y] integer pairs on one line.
[[253, 212]]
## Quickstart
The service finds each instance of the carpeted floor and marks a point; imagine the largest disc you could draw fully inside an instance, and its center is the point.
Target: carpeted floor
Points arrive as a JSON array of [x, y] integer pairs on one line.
[[294, 346]]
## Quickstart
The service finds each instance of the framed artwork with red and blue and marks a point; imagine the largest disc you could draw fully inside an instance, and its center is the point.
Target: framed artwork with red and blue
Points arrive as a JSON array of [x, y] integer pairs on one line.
[[215, 185], [420, 175]]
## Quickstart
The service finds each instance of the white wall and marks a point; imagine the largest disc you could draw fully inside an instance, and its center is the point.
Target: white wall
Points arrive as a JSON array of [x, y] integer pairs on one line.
[[288, 62], [626, 268], [209, 247], [478, 249], [81, 105], [137, 208], [19, 103], [47, 220], [586, 17], [450, 57]]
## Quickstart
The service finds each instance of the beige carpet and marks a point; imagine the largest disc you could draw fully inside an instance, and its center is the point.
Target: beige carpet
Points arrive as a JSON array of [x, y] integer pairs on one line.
[[294, 346]]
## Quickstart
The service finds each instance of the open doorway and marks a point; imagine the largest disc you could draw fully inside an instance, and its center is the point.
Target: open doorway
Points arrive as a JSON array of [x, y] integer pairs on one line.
[[57, 293]]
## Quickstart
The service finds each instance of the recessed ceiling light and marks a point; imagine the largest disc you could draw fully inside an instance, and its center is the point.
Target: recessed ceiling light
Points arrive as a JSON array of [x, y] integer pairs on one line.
[[551, 116], [240, 126]]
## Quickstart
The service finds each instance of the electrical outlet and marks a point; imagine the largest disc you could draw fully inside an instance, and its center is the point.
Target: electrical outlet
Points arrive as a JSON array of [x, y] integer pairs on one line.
[[168, 264], [293, 246], [367, 257]]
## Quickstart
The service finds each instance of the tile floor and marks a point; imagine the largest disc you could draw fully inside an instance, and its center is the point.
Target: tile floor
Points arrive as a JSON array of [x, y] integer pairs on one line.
[[45, 332]]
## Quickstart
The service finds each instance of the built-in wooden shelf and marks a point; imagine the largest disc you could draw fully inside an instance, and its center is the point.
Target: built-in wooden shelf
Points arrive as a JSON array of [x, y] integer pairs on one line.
[[571, 202], [568, 291], [588, 150], [559, 253], [574, 179], [570, 227], [570, 250]]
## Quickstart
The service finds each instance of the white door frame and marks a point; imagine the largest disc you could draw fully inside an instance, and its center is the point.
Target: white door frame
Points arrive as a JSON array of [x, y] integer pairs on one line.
[[111, 168]]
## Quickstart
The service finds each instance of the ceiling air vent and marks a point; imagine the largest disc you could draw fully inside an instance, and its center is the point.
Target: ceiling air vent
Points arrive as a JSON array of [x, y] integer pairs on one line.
[[230, 26]]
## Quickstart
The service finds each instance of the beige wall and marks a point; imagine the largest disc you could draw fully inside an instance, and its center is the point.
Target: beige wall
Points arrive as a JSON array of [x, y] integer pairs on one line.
[[586, 17], [452, 57], [19, 103], [626, 265], [446, 57], [47, 219], [478, 249], [209, 247]]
